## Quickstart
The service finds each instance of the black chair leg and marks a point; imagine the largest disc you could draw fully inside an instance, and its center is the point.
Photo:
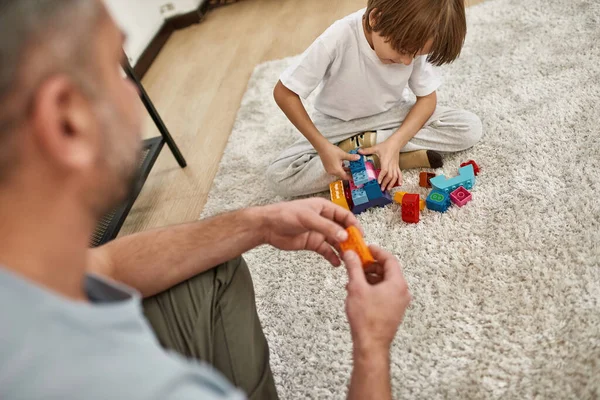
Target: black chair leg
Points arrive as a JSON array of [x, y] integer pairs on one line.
[[155, 116]]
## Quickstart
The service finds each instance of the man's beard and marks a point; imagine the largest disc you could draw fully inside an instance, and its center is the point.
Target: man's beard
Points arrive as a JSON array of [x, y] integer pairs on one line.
[[125, 168]]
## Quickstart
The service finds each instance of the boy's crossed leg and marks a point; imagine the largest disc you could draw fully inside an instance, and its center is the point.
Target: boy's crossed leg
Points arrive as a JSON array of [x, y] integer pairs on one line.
[[298, 170]]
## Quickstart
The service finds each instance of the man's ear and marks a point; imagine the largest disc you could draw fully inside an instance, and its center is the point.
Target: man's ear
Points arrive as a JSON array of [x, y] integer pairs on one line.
[[64, 123]]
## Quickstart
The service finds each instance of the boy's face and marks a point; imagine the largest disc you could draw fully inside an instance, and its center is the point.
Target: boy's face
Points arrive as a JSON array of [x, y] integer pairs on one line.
[[388, 55]]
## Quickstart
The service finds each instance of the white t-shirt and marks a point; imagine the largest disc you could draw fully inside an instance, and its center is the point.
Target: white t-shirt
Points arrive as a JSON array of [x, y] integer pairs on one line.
[[354, 81]]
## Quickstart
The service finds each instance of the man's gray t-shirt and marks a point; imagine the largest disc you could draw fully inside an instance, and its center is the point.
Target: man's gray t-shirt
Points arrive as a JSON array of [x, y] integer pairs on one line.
[[52, 348]]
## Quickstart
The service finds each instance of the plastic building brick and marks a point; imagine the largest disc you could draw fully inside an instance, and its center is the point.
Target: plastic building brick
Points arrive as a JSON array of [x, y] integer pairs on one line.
[[348, 194], [438, 201], [380, 202], [357, 244], [359, 196], [474, 164], [461, 196], [356, 166], [398, 196], [338, 196], [373, 190], [466, 178], [360, 177], [370, 170], [424, 179], [410, 208]]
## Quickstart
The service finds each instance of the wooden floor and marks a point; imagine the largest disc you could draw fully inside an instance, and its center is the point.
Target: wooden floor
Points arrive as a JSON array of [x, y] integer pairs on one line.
[[197, 83]]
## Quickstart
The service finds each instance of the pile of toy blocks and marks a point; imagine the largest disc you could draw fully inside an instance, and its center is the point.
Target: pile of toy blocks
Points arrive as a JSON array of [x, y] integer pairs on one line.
[[362, 191], [445, 192]]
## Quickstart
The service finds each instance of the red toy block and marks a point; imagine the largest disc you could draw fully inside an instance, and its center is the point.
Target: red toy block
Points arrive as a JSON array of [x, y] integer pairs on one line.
[[410, 208], [474, 164], [424, 179]]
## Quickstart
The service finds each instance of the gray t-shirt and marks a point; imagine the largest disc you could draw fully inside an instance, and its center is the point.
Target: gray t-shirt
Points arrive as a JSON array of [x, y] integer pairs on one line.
[[52, 348]]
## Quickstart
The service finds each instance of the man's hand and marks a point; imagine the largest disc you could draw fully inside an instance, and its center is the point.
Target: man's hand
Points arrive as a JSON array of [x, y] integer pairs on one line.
[[311, 224], [389, 158], [376, 302], [333, 158]]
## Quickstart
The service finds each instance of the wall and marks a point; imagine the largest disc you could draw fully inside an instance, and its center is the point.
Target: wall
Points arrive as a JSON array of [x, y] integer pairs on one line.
[[142, 19]]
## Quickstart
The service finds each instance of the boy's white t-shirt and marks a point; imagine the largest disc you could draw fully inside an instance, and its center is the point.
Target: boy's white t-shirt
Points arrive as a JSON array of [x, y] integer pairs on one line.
[[355, 83]]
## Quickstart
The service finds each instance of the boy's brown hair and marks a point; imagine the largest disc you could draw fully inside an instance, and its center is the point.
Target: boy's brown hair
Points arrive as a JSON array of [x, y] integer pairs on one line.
[[409, 24]]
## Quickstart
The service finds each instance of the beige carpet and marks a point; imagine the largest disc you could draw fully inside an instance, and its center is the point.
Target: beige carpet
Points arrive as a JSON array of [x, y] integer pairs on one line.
[[507, 289]]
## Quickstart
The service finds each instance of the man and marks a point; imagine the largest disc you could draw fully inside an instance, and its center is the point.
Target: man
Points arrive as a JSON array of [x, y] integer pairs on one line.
[[69, 142]]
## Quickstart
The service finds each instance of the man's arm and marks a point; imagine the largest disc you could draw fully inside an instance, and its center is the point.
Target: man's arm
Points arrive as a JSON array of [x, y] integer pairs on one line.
[[375, 305], [156, 260]]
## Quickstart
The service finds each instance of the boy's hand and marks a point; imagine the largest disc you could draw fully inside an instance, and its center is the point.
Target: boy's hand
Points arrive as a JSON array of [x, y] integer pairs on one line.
[[333, 157], [389, 158]]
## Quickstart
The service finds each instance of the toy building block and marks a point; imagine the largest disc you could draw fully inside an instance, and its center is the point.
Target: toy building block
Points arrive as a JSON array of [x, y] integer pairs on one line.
[[338, 195], [474, 164], [466, 178], [357, 244], [398, 196], [438, 201], [348, 194], [370, 170], [360, 177], [424, 179], [359, 165], [461, 196], [380, 202], [359, 196], [410, 208], [373, 190]]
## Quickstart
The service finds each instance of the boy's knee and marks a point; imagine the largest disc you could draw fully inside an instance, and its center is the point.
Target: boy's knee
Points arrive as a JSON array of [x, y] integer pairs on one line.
[[273, 178], [473, 131]]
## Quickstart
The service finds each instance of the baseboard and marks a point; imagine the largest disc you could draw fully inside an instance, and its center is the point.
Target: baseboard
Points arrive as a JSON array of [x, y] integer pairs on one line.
[[160, 39]]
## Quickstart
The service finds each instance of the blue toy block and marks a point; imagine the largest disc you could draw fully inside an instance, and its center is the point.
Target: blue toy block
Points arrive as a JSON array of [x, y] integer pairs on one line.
[[360, 177], [465, 178], [359, 196], [359, 165], [353, 151], [373, 190], [380, 202], [438, 200]]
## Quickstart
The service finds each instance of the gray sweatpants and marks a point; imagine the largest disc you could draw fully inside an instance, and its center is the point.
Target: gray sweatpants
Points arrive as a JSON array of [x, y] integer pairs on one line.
[[298, 170]]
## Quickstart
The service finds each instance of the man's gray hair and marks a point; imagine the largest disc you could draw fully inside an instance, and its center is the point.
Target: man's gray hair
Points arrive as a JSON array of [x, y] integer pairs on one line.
[[38, 38]]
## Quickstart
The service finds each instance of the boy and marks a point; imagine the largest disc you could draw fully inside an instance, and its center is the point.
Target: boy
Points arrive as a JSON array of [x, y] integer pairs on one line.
[[364, 64]]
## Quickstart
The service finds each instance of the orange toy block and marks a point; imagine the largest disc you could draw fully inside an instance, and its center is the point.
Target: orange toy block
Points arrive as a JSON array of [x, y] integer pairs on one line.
[[424, 179], [336, 190], [398, 196], [356, 243]]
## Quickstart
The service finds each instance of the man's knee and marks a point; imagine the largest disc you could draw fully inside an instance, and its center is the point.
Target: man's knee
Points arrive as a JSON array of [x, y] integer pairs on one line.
[[234, 270]]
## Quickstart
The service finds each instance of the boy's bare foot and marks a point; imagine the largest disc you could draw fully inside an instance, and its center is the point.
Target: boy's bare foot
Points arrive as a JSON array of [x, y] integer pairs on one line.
[[420, 159]]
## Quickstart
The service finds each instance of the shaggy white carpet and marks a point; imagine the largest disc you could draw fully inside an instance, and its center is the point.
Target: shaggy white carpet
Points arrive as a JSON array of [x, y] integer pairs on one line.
[[507, 289]]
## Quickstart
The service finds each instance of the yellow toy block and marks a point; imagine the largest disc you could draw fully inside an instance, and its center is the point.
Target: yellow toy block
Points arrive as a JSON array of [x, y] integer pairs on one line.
[[336, 190]]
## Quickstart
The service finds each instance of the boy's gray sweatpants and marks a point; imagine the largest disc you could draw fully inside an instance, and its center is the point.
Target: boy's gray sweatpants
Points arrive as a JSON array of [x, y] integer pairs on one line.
[[298, 170]]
